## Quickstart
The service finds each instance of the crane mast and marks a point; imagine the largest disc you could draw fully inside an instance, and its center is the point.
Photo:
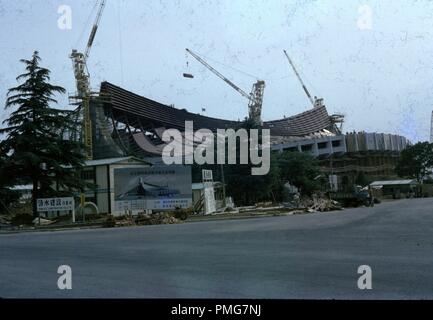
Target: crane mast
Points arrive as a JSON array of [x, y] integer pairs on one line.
[[82, 79], [300, 79], [255, 98]]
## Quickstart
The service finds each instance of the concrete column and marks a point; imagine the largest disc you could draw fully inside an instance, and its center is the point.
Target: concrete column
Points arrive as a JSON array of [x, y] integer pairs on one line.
[[344, 144], [376, 147], [315, 149], [356, 141], [331, 148]]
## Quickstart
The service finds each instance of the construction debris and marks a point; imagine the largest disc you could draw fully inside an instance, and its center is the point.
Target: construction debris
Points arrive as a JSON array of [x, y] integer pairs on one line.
[[318, 202], [321, 204], [264, 204], [41, 221], [141, 219], [156, 218]]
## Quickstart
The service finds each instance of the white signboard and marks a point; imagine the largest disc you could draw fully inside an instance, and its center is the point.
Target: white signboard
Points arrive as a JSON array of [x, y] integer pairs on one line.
[[55, 204], [209, 200]]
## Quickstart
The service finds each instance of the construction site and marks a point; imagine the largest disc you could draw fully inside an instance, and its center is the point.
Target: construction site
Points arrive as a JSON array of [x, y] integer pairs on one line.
[[216, 150], [122, 133], [120, 128]]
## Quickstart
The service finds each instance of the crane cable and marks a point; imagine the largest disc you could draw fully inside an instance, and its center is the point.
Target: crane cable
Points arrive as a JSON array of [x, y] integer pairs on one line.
[[230, 67], [87, 23], [120, 42], [267, 79]]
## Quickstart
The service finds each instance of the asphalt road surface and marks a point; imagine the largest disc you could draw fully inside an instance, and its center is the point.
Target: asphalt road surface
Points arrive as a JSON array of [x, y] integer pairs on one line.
[[300, 256]]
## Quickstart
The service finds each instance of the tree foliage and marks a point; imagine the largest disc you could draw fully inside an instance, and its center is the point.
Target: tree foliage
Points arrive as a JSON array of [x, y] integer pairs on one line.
[[300, 169], [36, 152], [248, 189], [416, 161]]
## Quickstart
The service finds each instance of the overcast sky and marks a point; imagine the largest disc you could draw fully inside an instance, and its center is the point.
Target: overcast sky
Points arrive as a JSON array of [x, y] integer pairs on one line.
[[374, 68]]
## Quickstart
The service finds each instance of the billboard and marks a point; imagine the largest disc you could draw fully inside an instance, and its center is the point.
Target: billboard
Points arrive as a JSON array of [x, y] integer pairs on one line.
[[162, 187]]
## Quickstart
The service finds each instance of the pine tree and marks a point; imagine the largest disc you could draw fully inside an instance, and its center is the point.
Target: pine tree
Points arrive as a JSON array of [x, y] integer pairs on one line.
[[36, 151]]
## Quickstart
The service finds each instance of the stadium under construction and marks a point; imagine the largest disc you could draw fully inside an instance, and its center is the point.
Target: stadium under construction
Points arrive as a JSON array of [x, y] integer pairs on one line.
[[115, 123], [127, 124]]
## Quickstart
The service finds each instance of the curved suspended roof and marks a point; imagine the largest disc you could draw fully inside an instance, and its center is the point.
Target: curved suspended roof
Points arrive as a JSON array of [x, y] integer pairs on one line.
[[122, 100]]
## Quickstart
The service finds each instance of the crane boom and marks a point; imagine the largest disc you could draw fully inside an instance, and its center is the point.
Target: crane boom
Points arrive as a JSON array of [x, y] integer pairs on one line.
[[216, 72], [94, 29], [255, 98], [299, 78]]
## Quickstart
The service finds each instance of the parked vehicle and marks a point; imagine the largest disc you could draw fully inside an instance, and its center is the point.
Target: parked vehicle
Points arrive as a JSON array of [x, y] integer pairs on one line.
[[360, 196]]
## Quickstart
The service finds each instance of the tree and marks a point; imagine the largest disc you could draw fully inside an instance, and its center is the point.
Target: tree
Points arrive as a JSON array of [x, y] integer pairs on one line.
[[416, 161], [36, 151], [248, 189], [361, 179], [300, 169]]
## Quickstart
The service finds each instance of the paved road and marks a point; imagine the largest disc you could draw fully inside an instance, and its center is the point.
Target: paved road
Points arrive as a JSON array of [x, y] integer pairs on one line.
[[302, 256]]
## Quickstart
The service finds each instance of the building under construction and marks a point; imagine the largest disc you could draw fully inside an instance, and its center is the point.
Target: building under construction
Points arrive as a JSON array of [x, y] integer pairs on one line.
[[127, 124], [117, 123], [124, 123]]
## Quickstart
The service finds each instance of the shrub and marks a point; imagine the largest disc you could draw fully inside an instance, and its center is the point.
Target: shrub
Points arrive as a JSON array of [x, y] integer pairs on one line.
[[110, 222], [181, 214]]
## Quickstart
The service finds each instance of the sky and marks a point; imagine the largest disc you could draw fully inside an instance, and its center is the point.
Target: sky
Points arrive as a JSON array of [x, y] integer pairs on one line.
[[370, 60]]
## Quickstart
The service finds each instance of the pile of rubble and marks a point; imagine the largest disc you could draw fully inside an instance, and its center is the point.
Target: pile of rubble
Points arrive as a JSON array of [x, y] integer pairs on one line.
[[297, 205], [155, 218], [317, 202], [323, 204], [140, 220]]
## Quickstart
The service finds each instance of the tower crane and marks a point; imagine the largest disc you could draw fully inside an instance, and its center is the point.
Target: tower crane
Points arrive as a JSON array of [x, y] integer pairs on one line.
[[82, 79], [316, 102], [255, 98]]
